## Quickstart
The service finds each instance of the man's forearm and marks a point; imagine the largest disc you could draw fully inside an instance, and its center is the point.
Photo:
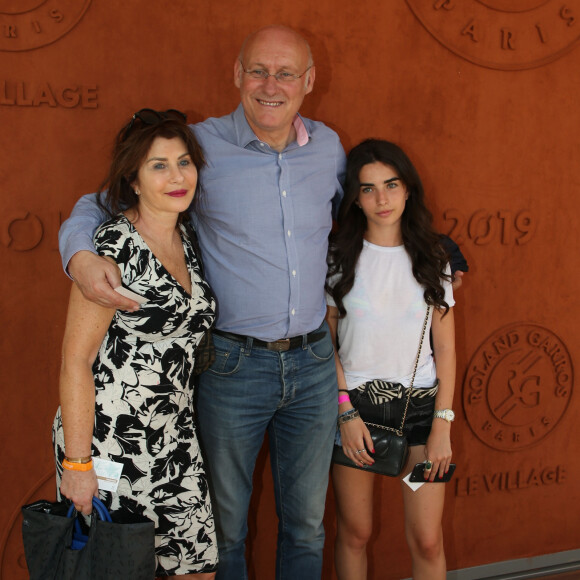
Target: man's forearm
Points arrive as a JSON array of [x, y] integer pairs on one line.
[[76, 233]]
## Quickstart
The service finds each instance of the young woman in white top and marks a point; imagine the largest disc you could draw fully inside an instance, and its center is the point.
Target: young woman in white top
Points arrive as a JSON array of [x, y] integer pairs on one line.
[[386, 267]]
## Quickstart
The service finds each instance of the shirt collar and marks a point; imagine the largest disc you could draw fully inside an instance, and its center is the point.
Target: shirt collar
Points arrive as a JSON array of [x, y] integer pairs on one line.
[[245, 135]]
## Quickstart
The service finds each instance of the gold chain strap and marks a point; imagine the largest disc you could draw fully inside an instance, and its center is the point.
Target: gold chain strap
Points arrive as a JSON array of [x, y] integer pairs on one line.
[[399, 431]]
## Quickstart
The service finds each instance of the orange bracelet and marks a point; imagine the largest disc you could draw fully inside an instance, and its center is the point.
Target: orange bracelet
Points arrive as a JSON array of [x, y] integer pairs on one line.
[[77, 466], [79, 459]]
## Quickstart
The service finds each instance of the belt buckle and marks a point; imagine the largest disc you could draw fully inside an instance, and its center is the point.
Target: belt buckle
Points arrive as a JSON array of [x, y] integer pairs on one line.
[[281, 345]]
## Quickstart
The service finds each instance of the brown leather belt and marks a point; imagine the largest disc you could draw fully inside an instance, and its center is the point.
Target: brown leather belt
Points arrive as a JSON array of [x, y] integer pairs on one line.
[[281, 345]]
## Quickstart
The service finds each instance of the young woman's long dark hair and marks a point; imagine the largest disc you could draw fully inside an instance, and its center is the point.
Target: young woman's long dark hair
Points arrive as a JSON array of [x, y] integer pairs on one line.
[[421, 241], [130, 149]]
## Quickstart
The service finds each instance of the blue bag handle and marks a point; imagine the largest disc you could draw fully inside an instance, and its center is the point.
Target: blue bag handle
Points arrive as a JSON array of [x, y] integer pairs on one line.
[[80, 539]]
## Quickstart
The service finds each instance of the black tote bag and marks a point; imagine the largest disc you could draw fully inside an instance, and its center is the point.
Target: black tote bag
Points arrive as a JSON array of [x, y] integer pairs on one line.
[[57, 548]]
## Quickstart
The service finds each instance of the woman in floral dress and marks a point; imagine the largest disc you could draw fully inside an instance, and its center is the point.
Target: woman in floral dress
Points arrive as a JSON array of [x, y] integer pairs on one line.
[[125, 389]]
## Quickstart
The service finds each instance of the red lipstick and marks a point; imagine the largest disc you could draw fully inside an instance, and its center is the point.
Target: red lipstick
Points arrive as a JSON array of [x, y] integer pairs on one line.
[[177, 193]]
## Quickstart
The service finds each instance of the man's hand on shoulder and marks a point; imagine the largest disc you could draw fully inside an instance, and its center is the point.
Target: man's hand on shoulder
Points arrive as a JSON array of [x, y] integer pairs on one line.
[[96, 277], [457, 280]]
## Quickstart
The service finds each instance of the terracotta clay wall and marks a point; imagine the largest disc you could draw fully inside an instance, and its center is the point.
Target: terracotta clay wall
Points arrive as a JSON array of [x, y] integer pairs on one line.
[[482, 94]]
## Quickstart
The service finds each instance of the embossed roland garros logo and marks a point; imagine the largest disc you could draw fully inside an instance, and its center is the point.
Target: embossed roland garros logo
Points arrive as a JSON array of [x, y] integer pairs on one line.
[[502, 34], [518, 386], [29, 24]]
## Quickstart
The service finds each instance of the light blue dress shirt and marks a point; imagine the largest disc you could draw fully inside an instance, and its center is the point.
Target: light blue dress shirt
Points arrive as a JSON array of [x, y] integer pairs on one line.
[[263, 225]]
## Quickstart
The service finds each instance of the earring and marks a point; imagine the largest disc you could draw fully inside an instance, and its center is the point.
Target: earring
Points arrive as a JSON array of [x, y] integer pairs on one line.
[[137, 192]]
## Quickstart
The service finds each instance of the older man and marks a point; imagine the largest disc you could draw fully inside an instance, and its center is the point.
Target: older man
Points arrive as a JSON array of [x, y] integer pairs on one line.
[[271, 182]]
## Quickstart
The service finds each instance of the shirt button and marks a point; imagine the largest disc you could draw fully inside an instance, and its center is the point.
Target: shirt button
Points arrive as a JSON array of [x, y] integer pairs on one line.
[[289, 233], [293, 312], [294, 273], [284, 193], [262, 145]]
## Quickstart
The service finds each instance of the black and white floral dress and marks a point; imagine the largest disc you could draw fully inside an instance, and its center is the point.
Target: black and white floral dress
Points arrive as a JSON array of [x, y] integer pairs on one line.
[[144, 415]]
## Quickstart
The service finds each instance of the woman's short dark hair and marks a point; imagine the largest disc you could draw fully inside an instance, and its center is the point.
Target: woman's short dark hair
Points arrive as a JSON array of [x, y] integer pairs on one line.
[[130, 151]]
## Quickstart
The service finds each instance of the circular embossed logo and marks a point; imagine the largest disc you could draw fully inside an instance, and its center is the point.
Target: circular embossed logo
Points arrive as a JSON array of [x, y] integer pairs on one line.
[[502, 34], [29, 24], [518, 386]]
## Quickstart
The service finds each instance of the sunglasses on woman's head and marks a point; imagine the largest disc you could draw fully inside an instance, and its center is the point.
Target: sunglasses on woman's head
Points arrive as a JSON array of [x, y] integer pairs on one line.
[[153, 117]]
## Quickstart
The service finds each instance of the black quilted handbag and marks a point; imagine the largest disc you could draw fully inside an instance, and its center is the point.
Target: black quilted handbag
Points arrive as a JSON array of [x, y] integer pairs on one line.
[[204, 353], [205, 350], [391, 452]]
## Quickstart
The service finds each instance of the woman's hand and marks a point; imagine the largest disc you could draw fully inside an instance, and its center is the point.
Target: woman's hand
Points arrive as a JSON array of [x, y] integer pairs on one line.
[[357, 442], [356, 439], [438, 449], [80, 487]]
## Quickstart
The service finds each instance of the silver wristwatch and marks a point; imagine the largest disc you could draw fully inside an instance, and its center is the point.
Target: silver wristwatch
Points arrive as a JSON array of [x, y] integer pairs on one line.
[[445, 414]]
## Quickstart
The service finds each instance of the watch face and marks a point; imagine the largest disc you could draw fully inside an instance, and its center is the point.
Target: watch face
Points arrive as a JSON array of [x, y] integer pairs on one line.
[[449, 415]]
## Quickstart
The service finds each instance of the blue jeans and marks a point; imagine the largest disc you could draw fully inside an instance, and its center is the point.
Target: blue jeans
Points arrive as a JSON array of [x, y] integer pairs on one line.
[[293, 396]]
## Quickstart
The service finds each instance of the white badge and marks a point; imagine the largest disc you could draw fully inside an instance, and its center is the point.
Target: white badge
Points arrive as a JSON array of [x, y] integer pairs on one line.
[[414, 485], [108, 473]]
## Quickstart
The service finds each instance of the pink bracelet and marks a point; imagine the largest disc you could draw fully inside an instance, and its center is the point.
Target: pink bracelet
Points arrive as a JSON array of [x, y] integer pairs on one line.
[[343, 399]]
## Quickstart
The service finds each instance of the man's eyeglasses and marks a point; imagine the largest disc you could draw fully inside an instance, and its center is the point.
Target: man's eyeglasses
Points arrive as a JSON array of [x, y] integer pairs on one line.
[[153, 117], [282, 76]]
